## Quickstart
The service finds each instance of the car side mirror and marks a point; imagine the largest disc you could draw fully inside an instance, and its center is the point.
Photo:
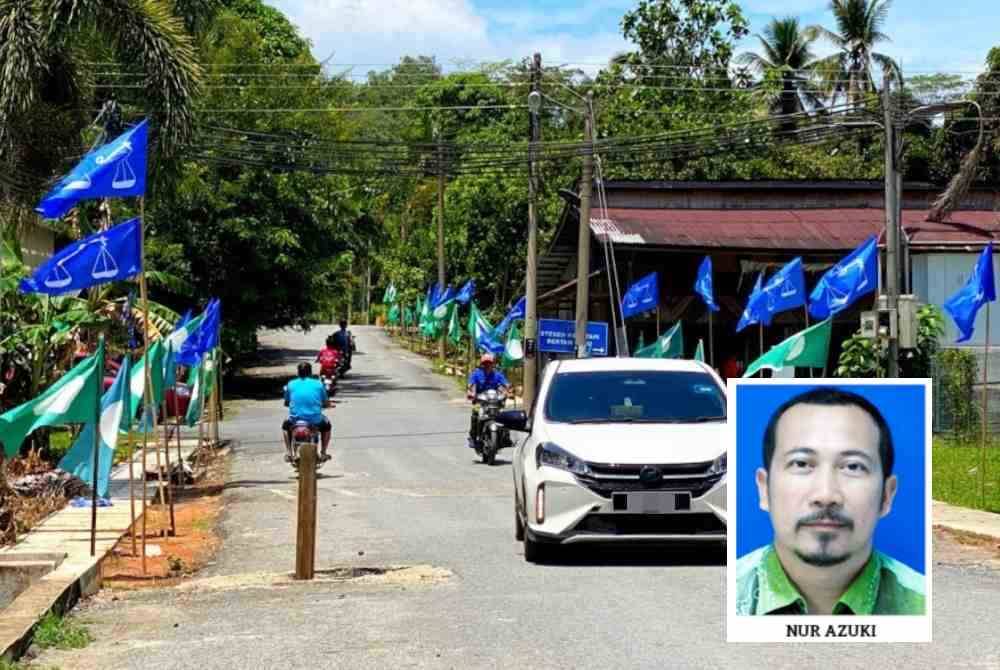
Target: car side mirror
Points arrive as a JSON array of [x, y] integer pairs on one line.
[[515, 419]]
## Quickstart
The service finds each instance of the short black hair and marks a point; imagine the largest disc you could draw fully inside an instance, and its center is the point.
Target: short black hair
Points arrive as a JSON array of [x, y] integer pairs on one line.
[[833, 397], [331, 341], [305, 370], [343, 323]]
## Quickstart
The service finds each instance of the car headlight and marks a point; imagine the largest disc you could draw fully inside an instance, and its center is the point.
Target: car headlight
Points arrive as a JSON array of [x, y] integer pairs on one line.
[[555, 456], [718, 466]]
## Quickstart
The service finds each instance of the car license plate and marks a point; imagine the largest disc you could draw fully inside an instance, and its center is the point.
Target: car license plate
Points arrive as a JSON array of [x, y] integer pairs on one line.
[[651, 502]]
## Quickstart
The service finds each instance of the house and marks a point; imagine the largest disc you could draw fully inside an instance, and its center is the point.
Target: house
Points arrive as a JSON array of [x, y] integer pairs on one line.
[[748, 227]]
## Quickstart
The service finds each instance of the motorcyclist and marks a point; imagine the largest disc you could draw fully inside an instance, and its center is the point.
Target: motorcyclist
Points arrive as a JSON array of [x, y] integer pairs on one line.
[[328, 358], [484, 378], [306, 398], [342, 341]]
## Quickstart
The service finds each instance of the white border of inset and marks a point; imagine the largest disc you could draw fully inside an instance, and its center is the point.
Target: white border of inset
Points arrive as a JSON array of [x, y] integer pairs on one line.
[[900, 628]]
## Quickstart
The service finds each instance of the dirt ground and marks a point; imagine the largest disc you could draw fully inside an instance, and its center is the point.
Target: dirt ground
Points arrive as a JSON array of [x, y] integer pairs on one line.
[[958, 548], [196, 509]]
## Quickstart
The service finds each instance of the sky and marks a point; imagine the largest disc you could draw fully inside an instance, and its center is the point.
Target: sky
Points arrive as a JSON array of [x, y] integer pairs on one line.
[[926, 36]]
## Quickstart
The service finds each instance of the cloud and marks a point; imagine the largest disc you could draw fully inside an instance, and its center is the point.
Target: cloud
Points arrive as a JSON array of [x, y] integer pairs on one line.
[[454, 31]]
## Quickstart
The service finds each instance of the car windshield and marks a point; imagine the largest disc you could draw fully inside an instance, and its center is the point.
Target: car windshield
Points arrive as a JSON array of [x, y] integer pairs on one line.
[[641, 396]]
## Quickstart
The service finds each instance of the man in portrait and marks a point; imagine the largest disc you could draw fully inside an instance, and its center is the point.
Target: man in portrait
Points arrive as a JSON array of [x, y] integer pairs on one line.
[[827, 479]]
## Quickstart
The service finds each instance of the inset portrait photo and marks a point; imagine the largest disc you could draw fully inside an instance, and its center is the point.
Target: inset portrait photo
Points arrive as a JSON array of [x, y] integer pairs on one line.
[[829, 497]]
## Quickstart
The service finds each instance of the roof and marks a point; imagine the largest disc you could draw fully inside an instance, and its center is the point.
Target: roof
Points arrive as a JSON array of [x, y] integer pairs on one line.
[[602, 364], [769, 185], [829, 229]]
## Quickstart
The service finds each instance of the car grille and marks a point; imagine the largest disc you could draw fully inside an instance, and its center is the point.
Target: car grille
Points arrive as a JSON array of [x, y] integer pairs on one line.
[[608, 478], [650, 524]]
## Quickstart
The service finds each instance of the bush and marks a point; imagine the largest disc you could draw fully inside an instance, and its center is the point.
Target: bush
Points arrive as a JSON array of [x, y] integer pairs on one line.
[[957, 371], [55, 631]]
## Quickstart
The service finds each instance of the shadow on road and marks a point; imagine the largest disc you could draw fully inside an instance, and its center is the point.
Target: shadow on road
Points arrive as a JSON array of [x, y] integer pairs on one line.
[[665, 555]]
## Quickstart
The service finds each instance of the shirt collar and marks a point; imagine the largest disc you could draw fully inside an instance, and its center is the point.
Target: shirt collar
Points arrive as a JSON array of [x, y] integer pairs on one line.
[[777, 592]]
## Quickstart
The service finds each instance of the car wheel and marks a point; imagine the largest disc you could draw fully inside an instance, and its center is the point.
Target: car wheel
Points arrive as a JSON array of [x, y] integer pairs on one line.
[[518, 526], [535, 552]]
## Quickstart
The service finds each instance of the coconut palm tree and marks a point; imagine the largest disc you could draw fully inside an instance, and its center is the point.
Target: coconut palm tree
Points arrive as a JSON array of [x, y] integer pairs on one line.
[[786, 61], [44, 52], [859, 29]]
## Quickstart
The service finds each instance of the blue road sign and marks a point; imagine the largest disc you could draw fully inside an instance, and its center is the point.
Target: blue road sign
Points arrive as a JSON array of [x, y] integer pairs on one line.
[[558, 336]]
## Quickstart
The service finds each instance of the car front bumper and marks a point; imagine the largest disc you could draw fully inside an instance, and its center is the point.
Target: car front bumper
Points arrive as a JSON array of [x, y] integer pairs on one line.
[[572, 513]]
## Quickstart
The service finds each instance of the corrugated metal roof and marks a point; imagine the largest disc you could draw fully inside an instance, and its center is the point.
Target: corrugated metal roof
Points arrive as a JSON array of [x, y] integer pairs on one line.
[[786, 229]]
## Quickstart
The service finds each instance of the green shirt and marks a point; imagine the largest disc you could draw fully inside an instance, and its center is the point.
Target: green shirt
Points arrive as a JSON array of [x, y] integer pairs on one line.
[[884, 586]]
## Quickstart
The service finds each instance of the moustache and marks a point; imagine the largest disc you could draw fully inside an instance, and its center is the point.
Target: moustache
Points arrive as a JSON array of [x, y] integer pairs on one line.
[[826, 515]]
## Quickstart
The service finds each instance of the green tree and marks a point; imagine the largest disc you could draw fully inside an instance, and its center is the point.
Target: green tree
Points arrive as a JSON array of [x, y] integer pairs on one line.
[[785, 64], [858, 32]]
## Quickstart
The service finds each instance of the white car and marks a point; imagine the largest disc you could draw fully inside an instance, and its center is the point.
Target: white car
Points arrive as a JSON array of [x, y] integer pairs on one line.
[[621, 449]]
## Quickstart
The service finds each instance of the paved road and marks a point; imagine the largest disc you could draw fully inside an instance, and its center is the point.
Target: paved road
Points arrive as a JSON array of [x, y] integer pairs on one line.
[[404, 491]]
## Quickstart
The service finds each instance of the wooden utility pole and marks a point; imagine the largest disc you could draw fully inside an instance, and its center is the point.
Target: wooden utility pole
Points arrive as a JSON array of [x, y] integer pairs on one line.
[[891, 226], [530, 370], [583, 234], [440, 229], [305, 540]]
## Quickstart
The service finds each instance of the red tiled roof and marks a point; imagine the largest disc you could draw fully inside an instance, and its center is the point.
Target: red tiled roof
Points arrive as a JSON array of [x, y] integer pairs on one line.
[[788, 229]]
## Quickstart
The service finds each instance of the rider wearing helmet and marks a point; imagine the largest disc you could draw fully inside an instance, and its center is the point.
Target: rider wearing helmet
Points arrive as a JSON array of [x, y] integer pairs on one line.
[[484, 378], [306, 398]]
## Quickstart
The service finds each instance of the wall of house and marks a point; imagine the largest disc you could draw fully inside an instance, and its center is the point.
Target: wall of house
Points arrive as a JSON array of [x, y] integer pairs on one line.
[[37, 244]]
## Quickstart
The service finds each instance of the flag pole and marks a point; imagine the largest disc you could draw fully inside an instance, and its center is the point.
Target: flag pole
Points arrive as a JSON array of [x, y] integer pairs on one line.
[[145, 365], [131, 484], [805, 310], [97, 447], [711, 349], [166, 460], [986, 395]]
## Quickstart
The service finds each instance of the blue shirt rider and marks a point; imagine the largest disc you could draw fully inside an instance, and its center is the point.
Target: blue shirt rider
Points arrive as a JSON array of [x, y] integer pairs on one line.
[[306, 398], [484, 378]]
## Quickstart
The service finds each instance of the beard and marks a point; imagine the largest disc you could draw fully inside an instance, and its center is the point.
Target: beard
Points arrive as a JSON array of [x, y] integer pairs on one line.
[[822, 558]]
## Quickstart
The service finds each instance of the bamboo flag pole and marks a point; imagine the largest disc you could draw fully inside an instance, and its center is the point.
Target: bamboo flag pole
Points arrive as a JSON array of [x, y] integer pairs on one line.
[[145, 365], [986, 395], [166, 458], [177, 418], [805, 309], [97, 449], [711, 349]]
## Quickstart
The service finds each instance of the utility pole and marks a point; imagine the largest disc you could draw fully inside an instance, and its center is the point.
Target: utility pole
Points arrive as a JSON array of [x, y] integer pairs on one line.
[[441, 341], [531, 288], [892, 196], [583, 239]]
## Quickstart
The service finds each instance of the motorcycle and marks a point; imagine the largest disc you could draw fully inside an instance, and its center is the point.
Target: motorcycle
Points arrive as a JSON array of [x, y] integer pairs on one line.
[[493, 436], [303, 434], [329, 383]]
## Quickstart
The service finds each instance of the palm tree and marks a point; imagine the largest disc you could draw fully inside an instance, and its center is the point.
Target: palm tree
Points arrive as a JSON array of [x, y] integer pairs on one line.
[[44, 52], [859, 29], [786, 61]]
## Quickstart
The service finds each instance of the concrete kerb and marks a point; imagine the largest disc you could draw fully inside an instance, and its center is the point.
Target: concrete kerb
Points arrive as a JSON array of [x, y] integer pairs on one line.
[[65, 538], [965, 520]]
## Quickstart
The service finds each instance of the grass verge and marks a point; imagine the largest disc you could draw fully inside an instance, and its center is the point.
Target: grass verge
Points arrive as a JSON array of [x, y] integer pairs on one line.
[[956, 478], [61, 633]]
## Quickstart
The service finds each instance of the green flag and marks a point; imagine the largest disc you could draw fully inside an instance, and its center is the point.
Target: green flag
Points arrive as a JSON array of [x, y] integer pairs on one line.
[[513, 352], [394, 314], [699, 352], [389, 295], [668, 345], [156, 354], [638, 345], [74, 398], [202, 381], [442, 311], [478, 325], [454, 330], [807, 348]]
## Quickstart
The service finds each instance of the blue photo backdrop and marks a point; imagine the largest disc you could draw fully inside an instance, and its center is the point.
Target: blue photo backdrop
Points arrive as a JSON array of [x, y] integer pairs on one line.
[[901, 533]]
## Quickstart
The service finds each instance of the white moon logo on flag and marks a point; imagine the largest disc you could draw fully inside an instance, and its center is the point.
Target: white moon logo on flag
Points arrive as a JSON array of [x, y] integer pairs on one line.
[[797, 349], [59, 402], [110, 418]]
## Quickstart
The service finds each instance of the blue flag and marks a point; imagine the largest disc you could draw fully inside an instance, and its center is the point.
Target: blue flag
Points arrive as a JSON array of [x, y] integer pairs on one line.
[[980, 289], [845, 282], [754, 311], [433, 291], [516, 312], [112, 255], [490, 342], [703, 284], [204, 339], [113, 170], [641, 296], [444, 296], [79, 460], [784, 291], [467, 292]]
